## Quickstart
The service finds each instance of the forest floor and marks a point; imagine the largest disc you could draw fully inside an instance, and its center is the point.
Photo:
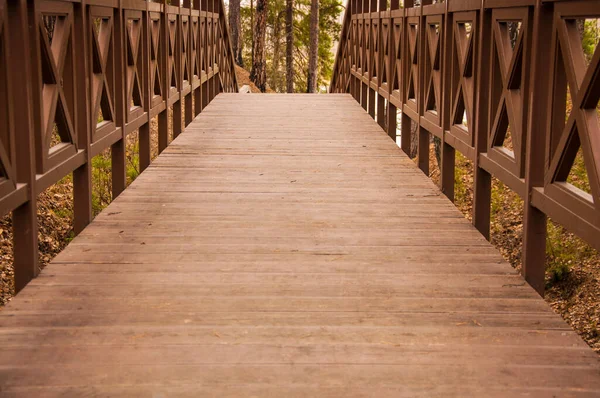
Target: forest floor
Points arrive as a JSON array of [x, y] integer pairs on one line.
[[573, 268], [243, 78]]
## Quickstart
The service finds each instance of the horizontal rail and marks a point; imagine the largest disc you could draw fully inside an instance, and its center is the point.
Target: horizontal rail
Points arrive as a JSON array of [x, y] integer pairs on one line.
[[489, 79], [77, 77]]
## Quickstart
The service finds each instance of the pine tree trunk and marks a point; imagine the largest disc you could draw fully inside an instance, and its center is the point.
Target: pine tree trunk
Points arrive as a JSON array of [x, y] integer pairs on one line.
[[289, 45], [252, 30], [275, 81], [235, 28], [259, 70], [414, 140], [313, 53]]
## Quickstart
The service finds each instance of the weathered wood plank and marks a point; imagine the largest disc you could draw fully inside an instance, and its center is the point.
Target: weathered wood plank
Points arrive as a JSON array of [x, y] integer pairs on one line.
[[301, 254]]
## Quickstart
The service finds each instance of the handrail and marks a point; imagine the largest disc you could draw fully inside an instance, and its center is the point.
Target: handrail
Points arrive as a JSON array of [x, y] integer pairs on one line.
[[490, 79], [78, 76]]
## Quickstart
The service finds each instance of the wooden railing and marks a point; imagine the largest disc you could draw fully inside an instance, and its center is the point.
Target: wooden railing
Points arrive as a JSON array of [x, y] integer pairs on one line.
[[77, 77], [506, 83]]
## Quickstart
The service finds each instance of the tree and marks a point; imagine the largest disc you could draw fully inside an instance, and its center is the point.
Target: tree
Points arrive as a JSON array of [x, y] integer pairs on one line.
[[277, 23], [289, 45], [277, 45], [259, 65], [252, 30], [313, 52], [235, 28]]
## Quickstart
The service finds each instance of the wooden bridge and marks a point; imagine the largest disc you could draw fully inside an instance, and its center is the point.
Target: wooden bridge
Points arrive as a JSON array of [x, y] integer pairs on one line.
[[282, 245]]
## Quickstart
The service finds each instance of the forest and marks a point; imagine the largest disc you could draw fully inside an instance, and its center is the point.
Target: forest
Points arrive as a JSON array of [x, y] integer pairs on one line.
[[286, 45]]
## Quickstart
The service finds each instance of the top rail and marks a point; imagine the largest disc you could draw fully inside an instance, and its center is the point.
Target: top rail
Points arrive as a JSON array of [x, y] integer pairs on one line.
[[506, 83], [77, 77]]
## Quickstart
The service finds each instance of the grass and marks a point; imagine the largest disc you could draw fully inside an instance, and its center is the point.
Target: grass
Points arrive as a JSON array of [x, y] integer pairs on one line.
[[563, 251], [102, 173]]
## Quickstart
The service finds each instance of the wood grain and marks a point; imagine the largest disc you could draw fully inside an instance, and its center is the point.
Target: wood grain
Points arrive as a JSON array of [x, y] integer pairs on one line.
[[283, 245]]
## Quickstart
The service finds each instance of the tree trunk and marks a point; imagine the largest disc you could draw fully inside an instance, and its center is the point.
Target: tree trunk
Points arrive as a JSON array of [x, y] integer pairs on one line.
[[275, 80], [289, 45], [437, 145], [259, 68], [313, 53], [414, 140], [252, 30], [235, 28]]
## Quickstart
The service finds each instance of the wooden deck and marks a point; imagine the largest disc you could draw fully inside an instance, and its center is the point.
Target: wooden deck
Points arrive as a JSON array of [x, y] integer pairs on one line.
[[284, 246]]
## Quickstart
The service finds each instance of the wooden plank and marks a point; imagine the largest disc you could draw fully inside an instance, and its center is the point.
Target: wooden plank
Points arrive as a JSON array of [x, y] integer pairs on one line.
[[300, 255]]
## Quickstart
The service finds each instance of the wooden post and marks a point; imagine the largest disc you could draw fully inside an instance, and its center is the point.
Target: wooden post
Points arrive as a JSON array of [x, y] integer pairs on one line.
[[482, 191], [177, 117], [447, 170], [392, 110], [363, 87], [423, 134], [163, 131], [405, 133], [144, 130], [534, 221], [448, 155], [381, 111], [424, 150], [189, 105], [177, 106], [82, 176], [189, 112], [24, 217], [145, 146], [119, 169], [371, 68], [392, 114], [371, 101], [198, 98]]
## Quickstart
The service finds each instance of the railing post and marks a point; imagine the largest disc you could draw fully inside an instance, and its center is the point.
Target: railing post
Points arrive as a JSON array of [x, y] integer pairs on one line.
[[177, 117], [381, 111], [370, 63], [534, 220], [353, 46], [163, 120], [82, 176], [391, 122], [405, 121], [198, 90], [118, 158], [392, 110], [423, 134], [177, 109], [405, 133], [24, 217], [448, 155], [204, 48], [189, 108], [144, 130], [482, 190]]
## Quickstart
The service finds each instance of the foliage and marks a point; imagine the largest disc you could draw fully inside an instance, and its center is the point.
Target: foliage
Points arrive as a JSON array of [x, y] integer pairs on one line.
[[590, 37], [564, 250], [101, 181], [329, 32]]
